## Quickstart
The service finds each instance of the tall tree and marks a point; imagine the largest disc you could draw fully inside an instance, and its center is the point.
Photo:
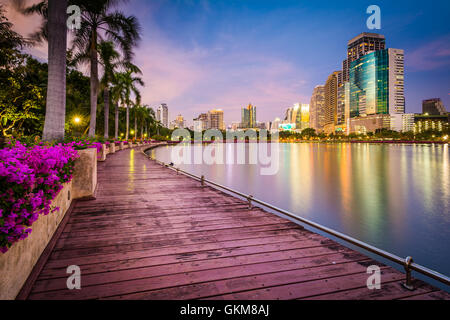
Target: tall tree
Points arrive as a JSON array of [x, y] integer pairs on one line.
[[126, 85], [54, 30], [110, 59], [98, 21], [55, 114]]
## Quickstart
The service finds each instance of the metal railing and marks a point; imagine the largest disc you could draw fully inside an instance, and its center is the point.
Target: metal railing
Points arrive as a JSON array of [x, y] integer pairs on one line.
[[407, 263]]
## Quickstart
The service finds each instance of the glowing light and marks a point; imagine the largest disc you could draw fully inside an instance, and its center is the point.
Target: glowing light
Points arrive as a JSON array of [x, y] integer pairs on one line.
[[77, 120]]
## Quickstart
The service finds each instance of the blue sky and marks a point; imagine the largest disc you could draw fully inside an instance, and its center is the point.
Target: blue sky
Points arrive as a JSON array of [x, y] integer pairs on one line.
[[273, 53], [197, 54]]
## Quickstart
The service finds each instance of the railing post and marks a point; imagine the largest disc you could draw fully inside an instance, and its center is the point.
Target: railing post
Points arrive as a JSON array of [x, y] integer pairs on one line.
[[202, 181], [249, 199], [408, 282], [178, 170]]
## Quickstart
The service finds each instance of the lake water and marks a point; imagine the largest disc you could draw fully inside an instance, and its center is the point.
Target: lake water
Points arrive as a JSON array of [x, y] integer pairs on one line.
[[395, 197]]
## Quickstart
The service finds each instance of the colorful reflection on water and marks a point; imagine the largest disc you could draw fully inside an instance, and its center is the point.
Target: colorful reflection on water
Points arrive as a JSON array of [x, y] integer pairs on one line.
[[396, 197]]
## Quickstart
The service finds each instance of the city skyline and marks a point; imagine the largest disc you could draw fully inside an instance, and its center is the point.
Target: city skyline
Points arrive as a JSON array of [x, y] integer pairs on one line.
[[204, 62]]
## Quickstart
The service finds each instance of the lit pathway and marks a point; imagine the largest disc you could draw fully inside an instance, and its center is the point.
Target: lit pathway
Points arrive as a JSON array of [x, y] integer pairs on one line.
[[153, 234]]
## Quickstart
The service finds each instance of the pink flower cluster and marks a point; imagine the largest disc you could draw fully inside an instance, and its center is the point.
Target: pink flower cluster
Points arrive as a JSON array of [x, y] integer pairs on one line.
[[84, 144], [30, 178]]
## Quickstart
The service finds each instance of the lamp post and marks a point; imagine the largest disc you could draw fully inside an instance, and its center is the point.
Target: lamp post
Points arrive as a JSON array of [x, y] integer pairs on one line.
[[77, 121]]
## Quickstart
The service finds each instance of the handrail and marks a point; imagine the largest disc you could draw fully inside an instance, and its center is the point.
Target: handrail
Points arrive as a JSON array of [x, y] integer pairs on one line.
[[407, 263]]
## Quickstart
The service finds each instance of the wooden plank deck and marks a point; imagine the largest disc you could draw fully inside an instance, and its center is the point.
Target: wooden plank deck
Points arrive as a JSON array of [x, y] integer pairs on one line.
[[153, 234]]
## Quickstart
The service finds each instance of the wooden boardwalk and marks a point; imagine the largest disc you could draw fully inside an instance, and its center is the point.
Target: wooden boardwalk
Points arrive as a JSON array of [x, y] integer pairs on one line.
[[153, 234]]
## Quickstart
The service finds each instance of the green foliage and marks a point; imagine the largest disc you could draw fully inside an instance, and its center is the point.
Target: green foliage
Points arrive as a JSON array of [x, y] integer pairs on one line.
[[22, 94]]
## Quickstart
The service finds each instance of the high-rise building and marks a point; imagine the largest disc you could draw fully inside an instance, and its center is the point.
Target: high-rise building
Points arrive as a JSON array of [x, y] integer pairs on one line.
[[317, 108], [288, 115], [215, 119], [305, 116], [275, 125], [248, 119], [433, 107], [369, 84], [377, 83], [179, 121], [296, 115], [396, 81], [162, 115], [299, 115], [201, 122], [331, 99], [359, 46]]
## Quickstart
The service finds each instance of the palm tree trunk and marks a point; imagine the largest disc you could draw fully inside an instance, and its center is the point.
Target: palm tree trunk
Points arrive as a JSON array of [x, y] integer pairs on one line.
[[55, 113], [106, 94], [135, 124], [116, 124], [128, 122], [142, 129], [94, 84]]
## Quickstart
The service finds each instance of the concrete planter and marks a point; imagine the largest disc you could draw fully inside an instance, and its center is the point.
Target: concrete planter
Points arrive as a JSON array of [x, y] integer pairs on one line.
[[121, 146], [103, 153], [17, 264], [85, 176], [112, 147]]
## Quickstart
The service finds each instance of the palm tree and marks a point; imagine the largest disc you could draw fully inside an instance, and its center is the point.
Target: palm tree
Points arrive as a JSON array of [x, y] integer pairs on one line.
[[55, 113], [117, 96], [98, 21], [109, 58], [126, 85], [54, 30]]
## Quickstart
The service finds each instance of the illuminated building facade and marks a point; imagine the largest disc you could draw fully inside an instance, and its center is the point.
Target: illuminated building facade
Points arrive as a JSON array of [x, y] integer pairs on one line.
[[248, 119], [317, 108], [215, 119]]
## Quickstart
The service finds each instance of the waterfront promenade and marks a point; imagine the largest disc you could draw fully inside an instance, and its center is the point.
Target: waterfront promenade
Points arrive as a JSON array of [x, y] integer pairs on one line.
[[154, 234]]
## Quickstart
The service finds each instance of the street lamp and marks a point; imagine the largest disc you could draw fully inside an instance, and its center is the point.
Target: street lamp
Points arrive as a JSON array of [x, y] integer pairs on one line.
[[77, 121]]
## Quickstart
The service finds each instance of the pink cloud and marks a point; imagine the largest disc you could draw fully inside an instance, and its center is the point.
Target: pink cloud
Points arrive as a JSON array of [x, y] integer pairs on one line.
[[26, 25], [430, 56], [195, 81]]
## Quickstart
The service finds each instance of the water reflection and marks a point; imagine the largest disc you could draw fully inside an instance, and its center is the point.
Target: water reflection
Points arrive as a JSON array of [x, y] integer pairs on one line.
[[395, 197]]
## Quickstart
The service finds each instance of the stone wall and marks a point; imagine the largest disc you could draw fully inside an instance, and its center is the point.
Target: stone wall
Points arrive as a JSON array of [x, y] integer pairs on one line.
[[17, 264]]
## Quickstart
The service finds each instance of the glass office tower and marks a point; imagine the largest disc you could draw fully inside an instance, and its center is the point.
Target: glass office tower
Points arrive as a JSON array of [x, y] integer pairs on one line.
[[369, 84]]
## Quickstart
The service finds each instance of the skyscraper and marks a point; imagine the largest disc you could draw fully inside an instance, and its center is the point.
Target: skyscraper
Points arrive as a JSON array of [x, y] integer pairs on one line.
[[433, 107], [162, 115], [201, 122], [359, 46], [396, 81], [179, 121], [248, 119], [304, 116], [331, 99], [369, 84], [317, 108], [215, 119], [377, 83]]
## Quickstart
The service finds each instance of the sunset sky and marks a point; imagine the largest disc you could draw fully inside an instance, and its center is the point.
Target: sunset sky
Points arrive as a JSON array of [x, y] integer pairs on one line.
[[200, 55]]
